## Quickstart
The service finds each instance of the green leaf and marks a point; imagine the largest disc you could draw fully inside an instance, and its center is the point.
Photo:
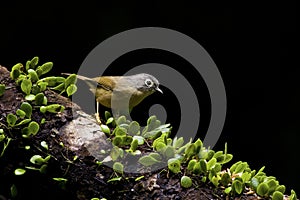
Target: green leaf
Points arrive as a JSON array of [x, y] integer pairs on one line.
[[191, 165], [228, 190], [190, 150], [43, 86], [21, 113], [105, 129], [26, 86], [169, 152], [238, 186], [43, 169], [272, 184], [25, 121], [211, 163], [45, 145], [186, 182], [115, 153], [30, 97], [115, 179], [37, 159], [2, 89], [198, 145], [225, 179], [71, 89], [71, 80], [118, 167], [148, 160], [277, 196], [16, 71], [280, 188], [293, 195], [117, 141], [20, 171], [139, 178], [126, 140], [34, 61], [13, 191], [107, 115], [152, 123], [120, 131], [11, 119], [134, 144], [178, 142], [109, 120], [203, 165], [156, 156], [134, 128], [174, 165], [39, 99], [33, 128], [241, 167], [262, 189], [246, 176], [121, 120], [197, 168], [33, 75], [53, 108], [45, 68], [140, 139], [52, 81]]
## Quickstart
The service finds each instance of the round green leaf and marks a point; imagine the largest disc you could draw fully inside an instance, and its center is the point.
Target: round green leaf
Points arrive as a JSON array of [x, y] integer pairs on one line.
[[26, 86], [11, 119], [27, 108], [39, 99], [277, 196], [174, 165], [238, 186], [186, 181], [71, 89], [118, 167], [20, 171], [134, 128], [30, 97], [71, 80], [262, 189], [105, 129], [33, 128]]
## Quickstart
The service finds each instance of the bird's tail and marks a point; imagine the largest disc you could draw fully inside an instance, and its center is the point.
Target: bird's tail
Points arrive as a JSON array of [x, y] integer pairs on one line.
[[84, 78], [89, 81]]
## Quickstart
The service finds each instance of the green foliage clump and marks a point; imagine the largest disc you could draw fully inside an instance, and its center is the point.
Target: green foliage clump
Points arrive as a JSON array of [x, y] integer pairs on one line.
[[191, 159]]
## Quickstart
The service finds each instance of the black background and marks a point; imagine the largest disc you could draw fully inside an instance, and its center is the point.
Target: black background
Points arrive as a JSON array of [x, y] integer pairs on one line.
[[254, 47]]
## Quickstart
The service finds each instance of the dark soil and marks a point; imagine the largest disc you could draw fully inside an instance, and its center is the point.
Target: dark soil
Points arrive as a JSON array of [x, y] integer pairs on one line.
[[85, 179]]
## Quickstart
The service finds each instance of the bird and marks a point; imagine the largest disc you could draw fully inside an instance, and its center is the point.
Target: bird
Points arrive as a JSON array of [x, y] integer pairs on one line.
[[120, 93]]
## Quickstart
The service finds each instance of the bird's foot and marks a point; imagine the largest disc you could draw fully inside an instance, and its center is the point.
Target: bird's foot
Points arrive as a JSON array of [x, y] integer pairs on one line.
[[98, 118]]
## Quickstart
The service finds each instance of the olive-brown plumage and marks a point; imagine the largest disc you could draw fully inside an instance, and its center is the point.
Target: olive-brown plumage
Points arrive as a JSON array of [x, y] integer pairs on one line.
[[125, 92]]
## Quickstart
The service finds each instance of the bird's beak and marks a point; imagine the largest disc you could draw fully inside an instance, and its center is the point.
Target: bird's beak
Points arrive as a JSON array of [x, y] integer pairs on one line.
[[159, 90]]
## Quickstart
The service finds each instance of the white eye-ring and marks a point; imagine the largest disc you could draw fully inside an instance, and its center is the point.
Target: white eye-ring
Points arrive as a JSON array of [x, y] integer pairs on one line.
[[149, 83]]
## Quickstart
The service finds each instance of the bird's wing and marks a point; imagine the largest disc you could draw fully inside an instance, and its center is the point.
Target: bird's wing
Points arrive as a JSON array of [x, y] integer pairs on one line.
[[106, 82]]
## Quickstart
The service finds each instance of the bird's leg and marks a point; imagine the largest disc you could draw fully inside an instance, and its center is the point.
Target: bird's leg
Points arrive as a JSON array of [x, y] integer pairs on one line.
[[97, 113]]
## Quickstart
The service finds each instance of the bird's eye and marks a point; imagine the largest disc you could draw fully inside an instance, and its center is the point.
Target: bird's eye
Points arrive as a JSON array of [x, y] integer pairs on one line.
[[148, 82]]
